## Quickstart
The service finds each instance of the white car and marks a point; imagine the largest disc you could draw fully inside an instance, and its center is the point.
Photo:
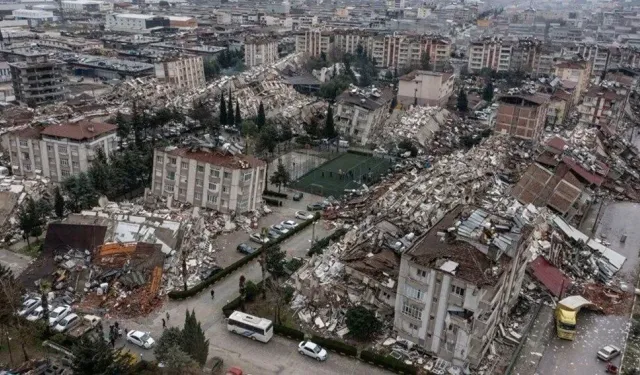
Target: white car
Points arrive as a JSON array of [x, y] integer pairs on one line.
[[37, 314], [303, 215], [58, 314], [280, 229], [66, 323], [28, 306], [255, 237], [289, 224], [608, 353], [142, 339], [312, 350]]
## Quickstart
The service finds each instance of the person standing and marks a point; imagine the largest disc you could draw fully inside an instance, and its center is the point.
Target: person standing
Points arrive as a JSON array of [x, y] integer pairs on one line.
[[213, 293], [164, 324]]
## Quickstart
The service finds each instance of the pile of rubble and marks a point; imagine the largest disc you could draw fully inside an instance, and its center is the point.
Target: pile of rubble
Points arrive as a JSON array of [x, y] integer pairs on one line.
[[418, 123], [13, 192]]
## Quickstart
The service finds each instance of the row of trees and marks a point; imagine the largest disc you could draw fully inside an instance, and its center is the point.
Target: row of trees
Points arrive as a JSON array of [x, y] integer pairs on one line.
[[226, 60], [227, 115]]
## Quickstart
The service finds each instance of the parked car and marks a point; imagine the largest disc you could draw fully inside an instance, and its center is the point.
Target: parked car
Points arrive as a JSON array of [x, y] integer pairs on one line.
[[210, 272], [280, 229], [289, 224], [67, 323], [58, 314], [257, 238], [303, 215], [312, 350], [315, 207], [234, 371], [298, 196], [246, 249], [141, 339], [28, 306], [608, 353], [37, 314], [274, 235]]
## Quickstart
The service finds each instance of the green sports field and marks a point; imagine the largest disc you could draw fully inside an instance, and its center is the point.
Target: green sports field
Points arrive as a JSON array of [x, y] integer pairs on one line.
[[347, 171]]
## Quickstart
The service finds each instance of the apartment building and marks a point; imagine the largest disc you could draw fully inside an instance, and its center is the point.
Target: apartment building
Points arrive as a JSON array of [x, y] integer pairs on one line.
[[458, 283], [485, 54], [574, 74], [358, 113], [522, 116], [34, 15], [86, 6], [211, 178], [146, 23], [36, 79], [184, 72], [262, 51], [425, 88], [514, 55], [58, 151], [602, 107], [313, 42], [596, 54]]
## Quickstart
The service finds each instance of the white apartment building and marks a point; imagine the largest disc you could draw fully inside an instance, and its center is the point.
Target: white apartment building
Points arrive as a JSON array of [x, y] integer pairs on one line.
[[86, 6], [5, 72], [224, 18], [134, 23], [358, 113], [458, 283], [306, 22], [597, 54], [34, 15], [184, 72], [260, 52], [425, 88], [313, 42], [58, 151], [209, 178]]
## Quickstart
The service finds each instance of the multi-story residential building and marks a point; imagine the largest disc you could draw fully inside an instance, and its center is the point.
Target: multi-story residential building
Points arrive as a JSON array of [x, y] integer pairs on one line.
[[458, 283], [86, 6], [34, 15], [602, 107], [359, 113], [58, 151], [313, 42], [596, 54], [425, 88], [209, 178], [146, 23], [260, 51], [575, 72], [522, 116], [485, 54], [36, 79], [514, 55], [5, 72], [184, 72], [68, 44], [306, 22]]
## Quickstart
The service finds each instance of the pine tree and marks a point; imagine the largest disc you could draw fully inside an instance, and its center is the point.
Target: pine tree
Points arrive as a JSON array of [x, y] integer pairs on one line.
[[238, 116], [223, 111], [424, 61], [463, 104], [329, 127], [30, 220], [124, 128], [137, 123], [58, 204], [195, 344], [95, 356], [281, 176], [230, 115], [487, 94], [261, 120]]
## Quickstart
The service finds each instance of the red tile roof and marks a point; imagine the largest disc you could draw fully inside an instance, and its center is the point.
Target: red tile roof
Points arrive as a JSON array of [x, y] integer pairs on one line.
[[79, 131], [590, 177], [218, 158], [557, 143], [550, 276], [28, 133]]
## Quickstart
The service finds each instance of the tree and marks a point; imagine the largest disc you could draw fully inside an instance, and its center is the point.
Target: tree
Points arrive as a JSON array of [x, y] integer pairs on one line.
[[100, 174], [388, 75], [211, 69], [261, 120], [29, 220], [10, 297], [223, 111], [230, 114], [281, 176], [124, 128], [238, 119], [329, 127], [58, 204], [137, 123], [250, 291], [362, 323], [285, 133], [267, 139], [463, 104], [177, 362], [394, 103], [424, 61], [163, 4], [82, 194], [274, 260], [195, 344], [312, 127], [44, 290], [487, 93], [170, 337], [94, 356]]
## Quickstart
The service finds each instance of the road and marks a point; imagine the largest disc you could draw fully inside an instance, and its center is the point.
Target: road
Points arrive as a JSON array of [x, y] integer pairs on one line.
[[594, 331], [16, 262]]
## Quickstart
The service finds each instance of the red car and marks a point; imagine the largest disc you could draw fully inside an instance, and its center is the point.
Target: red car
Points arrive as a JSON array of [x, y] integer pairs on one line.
[[234, 371]]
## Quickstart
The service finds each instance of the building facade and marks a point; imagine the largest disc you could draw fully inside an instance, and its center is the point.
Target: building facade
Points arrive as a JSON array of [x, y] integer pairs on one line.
[[34, 15], [575, 72], [425, 88], [260, 52], [59, 151], [135, 23], [213, 179], [313, 43], [357, 114], [37, 80], [522, 116], [86, 6], [185, 72], [458, 283]]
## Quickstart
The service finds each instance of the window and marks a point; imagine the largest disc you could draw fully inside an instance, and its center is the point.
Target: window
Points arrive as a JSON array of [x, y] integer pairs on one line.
[[212, 198], [224, 189], [247, 176], [25, 155], [184, 165], [171, 175], [213, 186], [421, 273], [64, 162], [183, 179], [457, 290], [181, 191], [197, 196], [200, 168], [23, 143], [169, 188], [172, 161], [413, 292], [411, 310], [198, 182], [65, 172], [62, 149], [227, 175], [158, 186], [215, 173], [159, 159], [413, 327]]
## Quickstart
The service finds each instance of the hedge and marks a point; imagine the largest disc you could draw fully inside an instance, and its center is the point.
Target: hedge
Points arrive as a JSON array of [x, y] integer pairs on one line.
[[319, 246], [180, 294], [272, 201], [387, 362], [288, 332], [276, 194], [335, 345]]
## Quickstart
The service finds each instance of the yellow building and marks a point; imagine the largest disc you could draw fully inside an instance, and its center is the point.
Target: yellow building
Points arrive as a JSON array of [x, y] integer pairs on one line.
[[574, 72]]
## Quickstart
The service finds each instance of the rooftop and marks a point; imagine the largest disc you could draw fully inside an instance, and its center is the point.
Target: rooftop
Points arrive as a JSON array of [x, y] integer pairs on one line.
[[79, 131], [111, 64], [367, 100], [416, 74], [216, 157]]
